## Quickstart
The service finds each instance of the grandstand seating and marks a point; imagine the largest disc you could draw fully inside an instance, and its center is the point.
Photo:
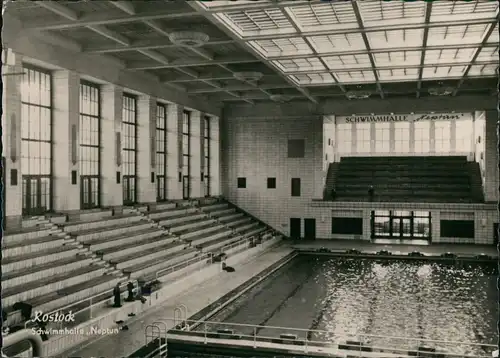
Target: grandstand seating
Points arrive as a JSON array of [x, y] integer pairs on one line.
[[56, 263], [404, 179]]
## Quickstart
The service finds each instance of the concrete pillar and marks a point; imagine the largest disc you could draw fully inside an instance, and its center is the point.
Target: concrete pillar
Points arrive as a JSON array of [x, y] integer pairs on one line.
[[436, 226], [215, 160], [392, 138], [11, 141], [354, 138], [195, 159], [412, 138], [373, 133], [453, 137], [491, 180], [367, 228], [111, 125], [65, 124], [174, 141], [432, 137], [146, 125]]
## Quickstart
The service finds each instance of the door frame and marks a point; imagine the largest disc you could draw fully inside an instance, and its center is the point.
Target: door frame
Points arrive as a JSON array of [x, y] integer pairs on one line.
[[26, 194], [311, 221], [185, 187], [299, 222]]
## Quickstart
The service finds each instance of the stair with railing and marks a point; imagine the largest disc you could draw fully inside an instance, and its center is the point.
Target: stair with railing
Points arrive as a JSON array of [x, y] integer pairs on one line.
[[331, 178]]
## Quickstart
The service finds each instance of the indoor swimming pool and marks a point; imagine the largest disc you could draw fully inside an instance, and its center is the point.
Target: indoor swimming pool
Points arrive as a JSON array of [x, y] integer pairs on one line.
[[331, 298]]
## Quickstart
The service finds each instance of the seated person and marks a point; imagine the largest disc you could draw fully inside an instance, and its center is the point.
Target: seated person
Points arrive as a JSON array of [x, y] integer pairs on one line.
[[227, 268]]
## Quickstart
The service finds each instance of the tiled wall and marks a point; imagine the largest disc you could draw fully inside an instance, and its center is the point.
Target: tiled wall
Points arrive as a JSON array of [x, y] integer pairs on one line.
[[257, 149]]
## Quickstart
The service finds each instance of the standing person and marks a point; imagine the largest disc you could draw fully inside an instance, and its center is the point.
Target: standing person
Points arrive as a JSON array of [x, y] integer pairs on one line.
[[371, 192], [117, 295], [334, 193]]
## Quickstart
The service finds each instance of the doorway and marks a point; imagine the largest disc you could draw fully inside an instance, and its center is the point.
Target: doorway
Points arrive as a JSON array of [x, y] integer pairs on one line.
[[495, 234], [36, 195], [310, 229], [89, 192], [295, 228], [129, 197], [401, 227], [185, 187]]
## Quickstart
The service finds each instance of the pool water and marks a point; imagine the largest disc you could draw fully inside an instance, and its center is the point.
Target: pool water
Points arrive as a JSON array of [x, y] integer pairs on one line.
[[344, 297]]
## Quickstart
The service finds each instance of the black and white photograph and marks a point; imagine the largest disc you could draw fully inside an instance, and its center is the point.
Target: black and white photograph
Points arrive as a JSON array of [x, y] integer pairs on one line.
[[250, 178]]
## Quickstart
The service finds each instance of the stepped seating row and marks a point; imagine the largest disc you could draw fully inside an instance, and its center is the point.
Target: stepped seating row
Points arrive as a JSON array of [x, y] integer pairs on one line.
[[406, 193], [404, 160], [406, 199], [415, 186], [58, 265]]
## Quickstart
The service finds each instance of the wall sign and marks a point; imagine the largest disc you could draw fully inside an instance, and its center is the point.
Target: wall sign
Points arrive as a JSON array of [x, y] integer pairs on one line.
[[403, 117]]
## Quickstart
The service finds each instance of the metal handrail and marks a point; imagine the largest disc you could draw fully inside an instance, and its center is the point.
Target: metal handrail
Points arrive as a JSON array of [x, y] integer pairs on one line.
[[409, 345], [183, 264]]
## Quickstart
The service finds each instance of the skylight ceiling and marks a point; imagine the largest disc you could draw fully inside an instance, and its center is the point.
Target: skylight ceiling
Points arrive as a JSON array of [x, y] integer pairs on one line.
[[254, 50], [359, 42]]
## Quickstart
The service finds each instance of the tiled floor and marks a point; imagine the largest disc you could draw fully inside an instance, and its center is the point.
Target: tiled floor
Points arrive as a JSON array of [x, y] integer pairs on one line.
[[434, 249], [196, 298]]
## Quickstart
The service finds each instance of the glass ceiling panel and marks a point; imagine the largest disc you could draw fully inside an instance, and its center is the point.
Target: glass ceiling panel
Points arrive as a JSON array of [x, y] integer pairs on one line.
[[300, 64], [355, 77], [257, 22], [338, 43], [456, 35], [483, 71], [222, 3], [375, 13], [463, 10], [399, 74], [395, 38], [313, 79], [347, 61], [324, 16], [282, 47], [495, 36], [488, 54], [457, 55], [397, 58], [443, 72]]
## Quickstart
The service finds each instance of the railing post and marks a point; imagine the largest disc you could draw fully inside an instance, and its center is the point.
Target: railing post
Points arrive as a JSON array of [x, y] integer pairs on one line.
[[305, 343], [205, 331], [91, 307], [255, 337]]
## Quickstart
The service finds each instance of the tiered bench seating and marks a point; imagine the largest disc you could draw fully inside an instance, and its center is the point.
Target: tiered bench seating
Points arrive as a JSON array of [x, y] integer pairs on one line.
[[410, 179], [44, 268]]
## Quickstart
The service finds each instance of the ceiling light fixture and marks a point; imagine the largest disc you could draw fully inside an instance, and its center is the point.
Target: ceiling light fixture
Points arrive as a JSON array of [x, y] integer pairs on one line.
[[358, 94], [441, 91], [188, 38], [248, 76], [280, 98]]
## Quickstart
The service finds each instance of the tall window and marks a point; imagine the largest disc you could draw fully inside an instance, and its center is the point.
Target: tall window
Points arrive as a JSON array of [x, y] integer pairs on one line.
[[89, 145], [206, 151], [344, 138], [402, 137], [382, 138], [36, 141], [443, 136], [422, 137], [129, 146], [464, 135], [186, 144], [161, 152], [363, 137]]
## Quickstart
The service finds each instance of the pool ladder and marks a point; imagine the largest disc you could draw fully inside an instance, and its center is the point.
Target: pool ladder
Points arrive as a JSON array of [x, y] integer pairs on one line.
[[180, 316], [157, 330]]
